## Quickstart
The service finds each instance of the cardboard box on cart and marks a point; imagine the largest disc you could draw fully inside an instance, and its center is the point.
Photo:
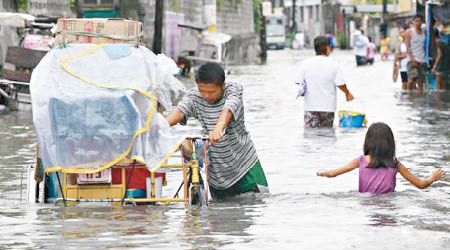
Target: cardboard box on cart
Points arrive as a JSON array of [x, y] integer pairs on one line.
[[98, 30]]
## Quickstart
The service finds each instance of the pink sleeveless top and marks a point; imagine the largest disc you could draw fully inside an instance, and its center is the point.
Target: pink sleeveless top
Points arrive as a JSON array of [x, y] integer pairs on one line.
[[375, 180]]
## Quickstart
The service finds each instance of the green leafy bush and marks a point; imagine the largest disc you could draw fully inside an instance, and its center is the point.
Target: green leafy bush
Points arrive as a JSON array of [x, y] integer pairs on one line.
[[342, 40]]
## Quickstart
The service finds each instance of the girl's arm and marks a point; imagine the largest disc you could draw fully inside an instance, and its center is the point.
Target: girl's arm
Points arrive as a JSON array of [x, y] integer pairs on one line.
[[416, 181], [338, 171]]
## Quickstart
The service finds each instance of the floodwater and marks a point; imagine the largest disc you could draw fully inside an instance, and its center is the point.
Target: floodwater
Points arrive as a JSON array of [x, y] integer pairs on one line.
[[302, 211]]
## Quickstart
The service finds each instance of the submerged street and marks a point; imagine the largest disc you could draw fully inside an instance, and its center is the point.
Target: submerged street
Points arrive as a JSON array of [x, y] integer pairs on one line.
[[302, 211]]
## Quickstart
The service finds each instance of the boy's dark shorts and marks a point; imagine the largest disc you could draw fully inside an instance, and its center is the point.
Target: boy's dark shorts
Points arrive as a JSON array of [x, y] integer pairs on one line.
[[417, 72], [404, 76], [251, 182], [360, 60]]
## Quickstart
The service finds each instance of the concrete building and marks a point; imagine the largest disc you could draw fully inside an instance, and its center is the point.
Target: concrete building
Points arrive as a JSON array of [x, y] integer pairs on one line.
[[53, 8], [313, 17], [236, 20], [8, 35], [8, 5]]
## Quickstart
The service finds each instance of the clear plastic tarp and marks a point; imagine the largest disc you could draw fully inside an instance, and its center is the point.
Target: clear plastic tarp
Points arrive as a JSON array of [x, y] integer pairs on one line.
[[96, 104]]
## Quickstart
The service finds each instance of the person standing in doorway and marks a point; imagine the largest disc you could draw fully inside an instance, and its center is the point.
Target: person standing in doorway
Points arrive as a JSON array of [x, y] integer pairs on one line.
[[321, 75], [415, 45], [441, 67]]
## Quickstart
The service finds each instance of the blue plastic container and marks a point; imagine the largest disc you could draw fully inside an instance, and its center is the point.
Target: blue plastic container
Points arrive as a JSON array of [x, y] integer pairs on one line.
[[350, 119]]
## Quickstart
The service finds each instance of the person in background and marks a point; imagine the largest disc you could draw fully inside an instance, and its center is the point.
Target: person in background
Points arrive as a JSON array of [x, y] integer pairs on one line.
[[360, 43], [378, 166], [415, 45], [384, 48], [371, 49], [402, 58], [441, 67], [234, 166], [321, 75]]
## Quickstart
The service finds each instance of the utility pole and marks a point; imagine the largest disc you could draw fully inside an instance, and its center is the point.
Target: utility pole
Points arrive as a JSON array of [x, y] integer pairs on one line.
[[384, 25], [157, 37], [294, 25], [78, 9], [262, 36]]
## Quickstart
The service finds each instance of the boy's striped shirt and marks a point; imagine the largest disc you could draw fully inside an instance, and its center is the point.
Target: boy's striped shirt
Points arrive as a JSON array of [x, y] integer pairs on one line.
[[232, 157]]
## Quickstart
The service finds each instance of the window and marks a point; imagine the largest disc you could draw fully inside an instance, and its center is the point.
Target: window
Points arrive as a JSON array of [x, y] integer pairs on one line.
[[90, 2], [317, 12], [301, 14], [274, 30]]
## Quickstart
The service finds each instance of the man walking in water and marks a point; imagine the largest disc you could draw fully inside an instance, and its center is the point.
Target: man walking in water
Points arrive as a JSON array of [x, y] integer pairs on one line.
[[415, 45], [321, 75], [360, 42]]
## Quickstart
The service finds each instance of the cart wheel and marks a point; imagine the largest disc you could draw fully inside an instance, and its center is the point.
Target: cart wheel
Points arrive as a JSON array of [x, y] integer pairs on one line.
[[198, 195], [195, 195]]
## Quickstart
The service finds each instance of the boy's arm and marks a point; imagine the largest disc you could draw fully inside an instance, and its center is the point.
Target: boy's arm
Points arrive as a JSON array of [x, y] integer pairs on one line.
[[347, 93], [222, 122], [416, 181], [338, 171], [183, 110], [232, 109], [175, 116]]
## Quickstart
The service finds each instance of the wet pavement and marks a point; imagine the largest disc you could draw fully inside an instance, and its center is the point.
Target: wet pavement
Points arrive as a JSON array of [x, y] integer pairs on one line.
[[302, 211]]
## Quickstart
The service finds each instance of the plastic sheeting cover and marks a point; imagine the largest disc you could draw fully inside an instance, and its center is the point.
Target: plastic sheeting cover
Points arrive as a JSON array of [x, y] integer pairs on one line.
[[80, 125]]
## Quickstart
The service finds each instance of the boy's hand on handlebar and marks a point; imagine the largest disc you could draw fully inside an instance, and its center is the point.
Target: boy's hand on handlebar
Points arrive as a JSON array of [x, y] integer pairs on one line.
[[215, 135]]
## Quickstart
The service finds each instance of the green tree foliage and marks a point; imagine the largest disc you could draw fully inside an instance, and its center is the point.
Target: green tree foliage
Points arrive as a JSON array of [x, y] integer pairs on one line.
[[342, 40], [257, 15], [22, 5]]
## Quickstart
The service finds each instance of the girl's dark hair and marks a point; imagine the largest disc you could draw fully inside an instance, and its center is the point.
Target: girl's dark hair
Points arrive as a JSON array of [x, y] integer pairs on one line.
[[210, 73], [380, 145]]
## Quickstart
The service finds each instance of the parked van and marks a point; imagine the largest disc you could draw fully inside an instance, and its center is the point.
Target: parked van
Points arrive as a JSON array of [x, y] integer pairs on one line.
[[275, 31]]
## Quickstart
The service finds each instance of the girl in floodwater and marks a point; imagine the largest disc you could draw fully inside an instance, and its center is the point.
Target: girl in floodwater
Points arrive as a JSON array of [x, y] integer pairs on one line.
[[378, 166]]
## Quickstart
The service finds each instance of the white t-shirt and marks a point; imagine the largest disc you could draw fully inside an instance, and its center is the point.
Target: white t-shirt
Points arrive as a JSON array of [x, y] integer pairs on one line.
[[404, 61], [360, 45], [322, 75]]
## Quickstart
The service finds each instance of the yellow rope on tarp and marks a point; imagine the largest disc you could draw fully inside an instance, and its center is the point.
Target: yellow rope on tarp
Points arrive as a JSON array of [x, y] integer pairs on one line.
[[124, 154], [110, 36]]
